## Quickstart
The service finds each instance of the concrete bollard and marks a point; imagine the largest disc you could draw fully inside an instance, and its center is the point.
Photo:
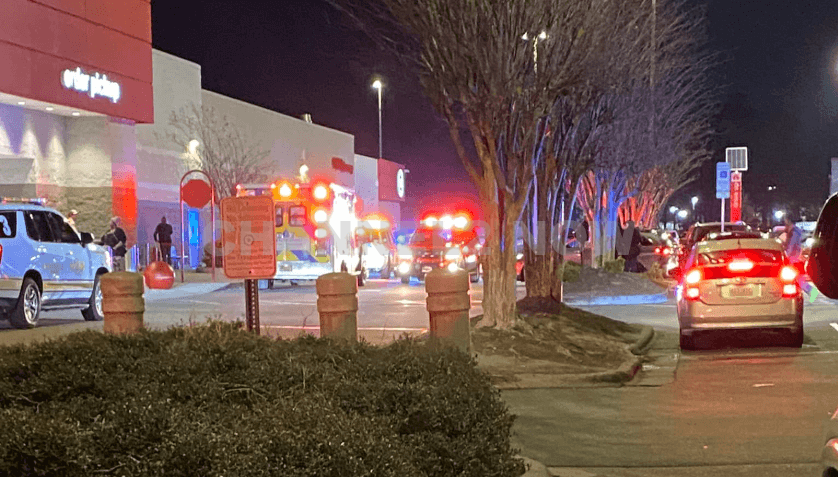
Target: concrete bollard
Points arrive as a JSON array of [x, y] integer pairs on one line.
[[122, 302], [448, 307], [337, 303]]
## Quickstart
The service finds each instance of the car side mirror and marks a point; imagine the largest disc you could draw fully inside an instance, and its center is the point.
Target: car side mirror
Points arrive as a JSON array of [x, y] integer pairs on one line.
[[86, 238]]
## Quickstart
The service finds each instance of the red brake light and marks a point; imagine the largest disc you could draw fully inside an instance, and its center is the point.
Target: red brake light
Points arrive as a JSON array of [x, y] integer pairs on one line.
[[658, 250], [788, 274], [740, 266], [667, 250], [693, 277], [321, 192], [692, 293]]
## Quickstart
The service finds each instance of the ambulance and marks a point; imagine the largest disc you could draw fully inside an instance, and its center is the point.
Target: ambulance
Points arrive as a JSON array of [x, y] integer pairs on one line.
[[315, 224], [449, 241]]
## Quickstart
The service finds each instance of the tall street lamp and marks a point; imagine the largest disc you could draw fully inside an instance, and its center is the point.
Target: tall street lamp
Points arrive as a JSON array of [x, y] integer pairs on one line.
[[377, 84], [540, 37]]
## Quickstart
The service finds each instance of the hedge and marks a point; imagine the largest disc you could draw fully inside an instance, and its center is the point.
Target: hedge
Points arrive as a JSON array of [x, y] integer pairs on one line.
[[217, 401]]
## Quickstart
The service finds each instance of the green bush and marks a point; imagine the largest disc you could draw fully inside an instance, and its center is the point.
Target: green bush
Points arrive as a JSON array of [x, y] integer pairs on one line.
[[571, 272], [615, 266], [655, 271], [214, 400]]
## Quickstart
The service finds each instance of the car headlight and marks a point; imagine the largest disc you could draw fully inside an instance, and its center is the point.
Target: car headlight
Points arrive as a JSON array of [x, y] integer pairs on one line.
[[520, 256], [404, 268], [471, 259], [452, 267]]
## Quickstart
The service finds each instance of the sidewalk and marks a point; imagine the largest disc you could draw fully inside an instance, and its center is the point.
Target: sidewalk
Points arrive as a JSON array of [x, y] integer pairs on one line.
[[194, 283]]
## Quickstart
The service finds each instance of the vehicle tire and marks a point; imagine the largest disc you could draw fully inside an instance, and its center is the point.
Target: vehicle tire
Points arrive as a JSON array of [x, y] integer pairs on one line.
[[796, 338], [406, 280], [28, 308], [94, 310], [686, 342]]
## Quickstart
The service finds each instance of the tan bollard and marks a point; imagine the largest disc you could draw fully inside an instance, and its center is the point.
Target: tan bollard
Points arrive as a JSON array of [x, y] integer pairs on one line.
[[337, 303], [122, 302], [448, 307]]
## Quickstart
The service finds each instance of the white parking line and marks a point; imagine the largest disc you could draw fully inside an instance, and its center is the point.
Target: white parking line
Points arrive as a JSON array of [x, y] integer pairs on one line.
[[204, 302], [834, 325]]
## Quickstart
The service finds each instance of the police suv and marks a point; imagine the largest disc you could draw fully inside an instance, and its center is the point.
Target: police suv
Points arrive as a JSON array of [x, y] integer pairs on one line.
[[46, 264]]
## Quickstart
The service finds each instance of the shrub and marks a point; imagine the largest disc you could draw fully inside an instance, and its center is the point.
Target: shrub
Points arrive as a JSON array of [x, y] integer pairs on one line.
[[215, 400], [615, 266], [571, 271]]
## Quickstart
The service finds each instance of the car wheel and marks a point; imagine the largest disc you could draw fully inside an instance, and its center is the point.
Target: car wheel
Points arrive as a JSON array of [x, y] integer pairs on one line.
[[796, 334], [28, 308], [686, 341], [94, 311]]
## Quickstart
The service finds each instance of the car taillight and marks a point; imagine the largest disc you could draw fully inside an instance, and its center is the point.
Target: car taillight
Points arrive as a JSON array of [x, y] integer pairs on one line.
[[692, 293], [788, 274], [692, 277]]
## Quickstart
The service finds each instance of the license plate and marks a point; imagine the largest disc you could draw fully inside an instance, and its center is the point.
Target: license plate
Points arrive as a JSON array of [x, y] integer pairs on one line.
[[426, 269], [741, 291]]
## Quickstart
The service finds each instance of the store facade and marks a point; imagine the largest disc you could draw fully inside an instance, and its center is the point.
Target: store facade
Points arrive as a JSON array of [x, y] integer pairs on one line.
[[85, 104], [76, 80]]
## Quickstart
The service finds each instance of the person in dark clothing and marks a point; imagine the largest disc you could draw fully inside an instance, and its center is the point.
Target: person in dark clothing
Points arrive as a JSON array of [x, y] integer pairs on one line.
[[163, 237], [115, 239], [632, 263]]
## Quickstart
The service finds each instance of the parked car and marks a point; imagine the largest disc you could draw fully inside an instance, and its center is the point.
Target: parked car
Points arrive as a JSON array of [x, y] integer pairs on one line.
[[739, 282], [46, 264], [654, 249]]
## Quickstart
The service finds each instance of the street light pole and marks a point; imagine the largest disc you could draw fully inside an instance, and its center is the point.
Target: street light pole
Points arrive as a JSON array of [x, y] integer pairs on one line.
[[377, 85]]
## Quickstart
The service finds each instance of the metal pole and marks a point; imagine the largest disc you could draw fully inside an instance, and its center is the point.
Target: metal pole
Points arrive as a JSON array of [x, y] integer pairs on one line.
[[212, 219], [380, 153], [182, 234], [723, 215], [251, 298]]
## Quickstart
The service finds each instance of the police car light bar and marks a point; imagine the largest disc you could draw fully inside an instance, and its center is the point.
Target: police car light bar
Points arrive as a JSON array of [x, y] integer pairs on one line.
[[22, 200]]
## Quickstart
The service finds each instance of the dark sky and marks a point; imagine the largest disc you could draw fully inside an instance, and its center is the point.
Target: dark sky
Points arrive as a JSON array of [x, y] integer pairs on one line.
[[299, 56]]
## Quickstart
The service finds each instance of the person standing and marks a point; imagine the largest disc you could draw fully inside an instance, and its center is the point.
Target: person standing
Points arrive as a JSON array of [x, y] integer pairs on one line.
[[793, 241], [71, 218], [163, 237], [115, 239]]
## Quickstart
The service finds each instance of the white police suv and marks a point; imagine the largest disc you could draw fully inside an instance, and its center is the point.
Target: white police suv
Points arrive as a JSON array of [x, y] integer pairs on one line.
[[45, 264]]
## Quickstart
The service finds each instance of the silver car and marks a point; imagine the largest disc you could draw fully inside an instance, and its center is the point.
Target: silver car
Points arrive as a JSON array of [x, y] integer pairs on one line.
[[739, 283], [45, 263]]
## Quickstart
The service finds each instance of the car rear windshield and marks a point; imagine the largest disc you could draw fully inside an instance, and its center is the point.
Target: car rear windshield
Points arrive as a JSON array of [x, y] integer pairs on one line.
[[746, 262], [8, 224], [703, 232]]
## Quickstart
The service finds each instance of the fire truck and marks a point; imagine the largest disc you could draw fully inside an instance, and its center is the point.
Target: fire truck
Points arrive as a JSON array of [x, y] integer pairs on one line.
[[449, 241], [315, 224]]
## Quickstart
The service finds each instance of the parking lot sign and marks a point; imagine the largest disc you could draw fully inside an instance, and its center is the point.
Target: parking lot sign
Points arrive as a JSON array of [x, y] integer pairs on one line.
[[737, 157], [248, 237]]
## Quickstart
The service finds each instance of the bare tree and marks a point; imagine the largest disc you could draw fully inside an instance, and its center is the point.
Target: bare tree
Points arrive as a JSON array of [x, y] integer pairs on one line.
[[495, 71], [223, 151]]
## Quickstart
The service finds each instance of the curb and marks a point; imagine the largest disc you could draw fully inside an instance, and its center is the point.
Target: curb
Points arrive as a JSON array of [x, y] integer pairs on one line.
[[644, 341], [621, 300]]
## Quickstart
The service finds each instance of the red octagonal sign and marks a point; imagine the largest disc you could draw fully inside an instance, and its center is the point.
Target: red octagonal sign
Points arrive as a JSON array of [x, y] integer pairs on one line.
[[196, 193]]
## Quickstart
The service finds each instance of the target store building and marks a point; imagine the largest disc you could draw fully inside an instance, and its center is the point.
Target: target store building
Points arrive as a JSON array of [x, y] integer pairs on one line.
[[85, 103]]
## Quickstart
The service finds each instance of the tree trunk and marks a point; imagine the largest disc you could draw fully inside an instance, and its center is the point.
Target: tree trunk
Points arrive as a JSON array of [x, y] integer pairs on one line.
[[539, 257]]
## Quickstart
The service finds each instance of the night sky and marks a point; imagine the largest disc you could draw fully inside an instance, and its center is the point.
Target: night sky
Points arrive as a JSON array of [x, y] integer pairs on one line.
[[779, 78]]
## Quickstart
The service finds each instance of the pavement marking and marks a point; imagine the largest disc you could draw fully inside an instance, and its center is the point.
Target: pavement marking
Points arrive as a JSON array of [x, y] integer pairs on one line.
[[762, 385], [288, 302], [834, 325]]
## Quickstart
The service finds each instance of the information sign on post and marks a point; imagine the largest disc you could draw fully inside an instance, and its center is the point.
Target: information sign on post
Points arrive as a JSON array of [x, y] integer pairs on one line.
[[249, 246], [723, 186], [735, 196]]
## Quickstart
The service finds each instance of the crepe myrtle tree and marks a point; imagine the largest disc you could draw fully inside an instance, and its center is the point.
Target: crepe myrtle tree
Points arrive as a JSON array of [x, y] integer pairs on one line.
[[661, 130], [220, 148], [495, 72]]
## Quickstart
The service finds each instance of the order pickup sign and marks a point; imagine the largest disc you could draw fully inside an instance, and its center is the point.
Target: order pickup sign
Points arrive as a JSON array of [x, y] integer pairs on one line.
[[248, 237]]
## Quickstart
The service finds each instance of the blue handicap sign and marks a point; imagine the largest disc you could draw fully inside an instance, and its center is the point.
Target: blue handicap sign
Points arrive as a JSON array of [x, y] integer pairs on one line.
[[722, 180]]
